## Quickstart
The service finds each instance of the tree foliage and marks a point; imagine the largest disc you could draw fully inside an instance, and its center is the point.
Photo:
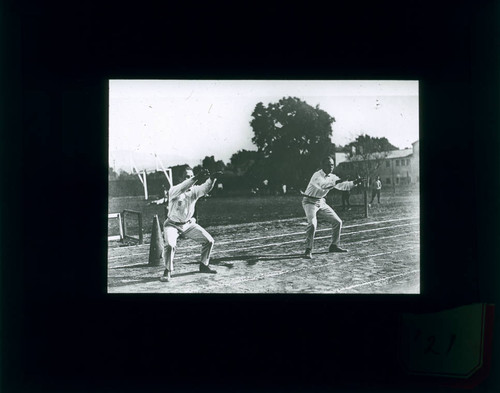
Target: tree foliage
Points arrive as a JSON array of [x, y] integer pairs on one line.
[[369, 151], [211, 164], [124, 175], [243, 160], [112, 175], [292, 137], [178, 172]]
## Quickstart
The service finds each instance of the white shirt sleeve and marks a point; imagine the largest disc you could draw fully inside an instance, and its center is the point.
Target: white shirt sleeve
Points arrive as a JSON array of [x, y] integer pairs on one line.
[[203, 189], [324, 183], [345, 186], [178, 189]]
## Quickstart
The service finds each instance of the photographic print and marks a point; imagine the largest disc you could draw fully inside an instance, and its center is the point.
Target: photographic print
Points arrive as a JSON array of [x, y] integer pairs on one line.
[[263, 186]]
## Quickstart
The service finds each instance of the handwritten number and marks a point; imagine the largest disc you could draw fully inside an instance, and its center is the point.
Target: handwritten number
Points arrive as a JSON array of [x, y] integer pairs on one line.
[[431, 340], [452, 341]]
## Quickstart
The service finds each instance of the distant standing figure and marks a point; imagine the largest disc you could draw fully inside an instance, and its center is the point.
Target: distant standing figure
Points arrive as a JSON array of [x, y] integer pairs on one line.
[[182, 200], [265, 187], [283, 187], [376, 187], [164, 199]]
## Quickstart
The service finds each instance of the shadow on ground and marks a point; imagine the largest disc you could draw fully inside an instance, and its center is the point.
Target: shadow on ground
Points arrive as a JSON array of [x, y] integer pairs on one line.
[[252, 259]]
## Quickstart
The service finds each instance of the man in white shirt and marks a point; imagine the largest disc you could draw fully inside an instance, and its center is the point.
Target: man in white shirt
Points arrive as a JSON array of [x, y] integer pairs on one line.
[[181, 205], [376, 187], [314, 203]]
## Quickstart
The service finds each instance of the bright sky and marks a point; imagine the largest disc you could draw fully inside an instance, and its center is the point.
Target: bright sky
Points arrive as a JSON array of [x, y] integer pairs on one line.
[[185, 120]]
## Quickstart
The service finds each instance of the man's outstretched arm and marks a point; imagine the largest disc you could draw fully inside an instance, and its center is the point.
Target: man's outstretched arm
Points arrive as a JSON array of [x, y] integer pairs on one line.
[[178, 189]]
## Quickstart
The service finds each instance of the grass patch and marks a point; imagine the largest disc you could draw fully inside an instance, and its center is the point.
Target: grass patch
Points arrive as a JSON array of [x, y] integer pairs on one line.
[[242, 209]]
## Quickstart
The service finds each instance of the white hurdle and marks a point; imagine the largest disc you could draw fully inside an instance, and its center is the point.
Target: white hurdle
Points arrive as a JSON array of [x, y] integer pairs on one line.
[[120, 225]]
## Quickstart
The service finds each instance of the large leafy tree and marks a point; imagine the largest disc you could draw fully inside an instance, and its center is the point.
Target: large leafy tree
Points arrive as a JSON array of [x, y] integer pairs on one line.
[[293, 137]]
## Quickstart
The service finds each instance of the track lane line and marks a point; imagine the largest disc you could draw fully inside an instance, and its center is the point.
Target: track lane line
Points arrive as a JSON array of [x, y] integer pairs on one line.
[[372, 282], [295, 233], [294, 241], [276, 236], [308, 267]]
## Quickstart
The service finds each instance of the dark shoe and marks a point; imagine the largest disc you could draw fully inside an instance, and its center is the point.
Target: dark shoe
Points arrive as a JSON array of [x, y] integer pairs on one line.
[[165, 277], [308, 254], [206, 269], [335, 248]]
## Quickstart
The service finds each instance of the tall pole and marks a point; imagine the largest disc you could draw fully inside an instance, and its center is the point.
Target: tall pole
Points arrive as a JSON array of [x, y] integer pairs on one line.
[[145, 183], [365, 197], [365, 193]]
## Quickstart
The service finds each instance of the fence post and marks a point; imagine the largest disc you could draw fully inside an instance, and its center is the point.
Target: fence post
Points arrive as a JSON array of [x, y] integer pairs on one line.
[[365, 198], [124, 226]]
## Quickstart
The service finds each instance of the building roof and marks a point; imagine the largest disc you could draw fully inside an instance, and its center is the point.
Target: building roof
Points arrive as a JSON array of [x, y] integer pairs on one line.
[[394, 154], [400, 153]]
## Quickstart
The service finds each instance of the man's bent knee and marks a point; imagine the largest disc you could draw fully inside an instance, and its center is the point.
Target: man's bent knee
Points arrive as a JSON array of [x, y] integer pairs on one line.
[[313, 222], [169, 247], [337, 222], [209, 240]]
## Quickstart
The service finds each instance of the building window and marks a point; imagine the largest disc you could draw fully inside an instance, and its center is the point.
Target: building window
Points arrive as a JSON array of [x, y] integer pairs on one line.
[[397, 162], [407, 162], [397, 180], [387, 164], [388, 180]]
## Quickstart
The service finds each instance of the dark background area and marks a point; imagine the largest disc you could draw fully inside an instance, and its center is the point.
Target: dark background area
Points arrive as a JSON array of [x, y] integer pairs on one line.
[[61, 332]]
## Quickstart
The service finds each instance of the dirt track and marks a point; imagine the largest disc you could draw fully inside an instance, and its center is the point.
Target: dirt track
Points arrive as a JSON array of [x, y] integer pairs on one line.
[[267, 257]]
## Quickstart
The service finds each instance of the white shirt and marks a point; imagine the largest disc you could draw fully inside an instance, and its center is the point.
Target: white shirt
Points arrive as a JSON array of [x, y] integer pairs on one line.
[[183, 196], [321, 183], [377, 185]]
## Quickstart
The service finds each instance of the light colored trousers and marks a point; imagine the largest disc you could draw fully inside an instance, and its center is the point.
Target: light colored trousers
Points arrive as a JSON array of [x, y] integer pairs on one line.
[[190, 231], [314, 207]]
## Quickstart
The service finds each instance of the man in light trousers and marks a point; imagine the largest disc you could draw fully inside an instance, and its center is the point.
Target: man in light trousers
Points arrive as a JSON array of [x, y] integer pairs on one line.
[[314, 204], [180, 221]]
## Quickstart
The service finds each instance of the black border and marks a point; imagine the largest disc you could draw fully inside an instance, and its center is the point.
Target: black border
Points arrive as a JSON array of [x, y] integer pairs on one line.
[[61, 332]]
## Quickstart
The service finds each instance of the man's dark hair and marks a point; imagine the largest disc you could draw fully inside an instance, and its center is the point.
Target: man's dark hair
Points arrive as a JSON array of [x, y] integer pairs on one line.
[[326, 159]]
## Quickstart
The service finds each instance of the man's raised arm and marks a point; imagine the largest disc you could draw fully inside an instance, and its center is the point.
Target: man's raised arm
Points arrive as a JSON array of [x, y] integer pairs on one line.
[[178, 189], [206, 187]]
